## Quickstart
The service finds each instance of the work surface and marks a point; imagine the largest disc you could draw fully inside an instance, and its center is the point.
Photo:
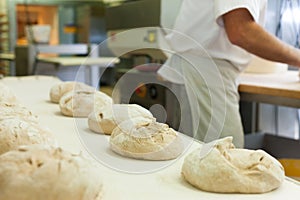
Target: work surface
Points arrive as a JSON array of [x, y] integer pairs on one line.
[[165, 183], [281, 88], [84, 61]]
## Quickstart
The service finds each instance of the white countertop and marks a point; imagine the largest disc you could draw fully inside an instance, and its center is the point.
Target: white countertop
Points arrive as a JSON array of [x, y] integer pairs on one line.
[[164, 184], [285, 84], [76, 61], [271, 88]]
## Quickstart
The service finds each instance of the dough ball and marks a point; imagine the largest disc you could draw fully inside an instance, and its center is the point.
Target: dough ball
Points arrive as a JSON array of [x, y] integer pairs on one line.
[[82, 103], [226, 169], [36, 172], [144, 138], [58, 90], [13, 110], [6, 95], [108, 117], [15, 132]]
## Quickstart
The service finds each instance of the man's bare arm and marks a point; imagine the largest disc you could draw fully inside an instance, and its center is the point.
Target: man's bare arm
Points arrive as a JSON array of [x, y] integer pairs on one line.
[[244, 32]]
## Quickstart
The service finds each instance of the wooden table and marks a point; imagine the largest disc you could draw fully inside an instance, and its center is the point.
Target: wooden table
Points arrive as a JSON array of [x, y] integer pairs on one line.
[[279, 89]]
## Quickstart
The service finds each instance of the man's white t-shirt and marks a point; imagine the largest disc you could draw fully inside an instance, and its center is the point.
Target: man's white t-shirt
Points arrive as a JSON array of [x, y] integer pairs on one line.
[[199, 27], [210, 84]]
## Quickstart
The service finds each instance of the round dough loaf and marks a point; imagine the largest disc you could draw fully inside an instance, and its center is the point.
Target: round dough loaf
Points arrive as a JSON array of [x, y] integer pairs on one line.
[[144, 138], [106, 119], [13, 110], [228, 170], [36, 172], [15, 132], [6, 95], [82, 103], [58, 90]]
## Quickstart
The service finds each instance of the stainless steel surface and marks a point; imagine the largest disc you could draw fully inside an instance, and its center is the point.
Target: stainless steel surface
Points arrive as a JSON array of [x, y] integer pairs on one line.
[[91, 65], [143, 13], [87, 56], [149, 17], [66, 49], [134, 15]]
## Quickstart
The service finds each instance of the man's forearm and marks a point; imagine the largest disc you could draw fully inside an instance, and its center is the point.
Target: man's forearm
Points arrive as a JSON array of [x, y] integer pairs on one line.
[[244, 32]]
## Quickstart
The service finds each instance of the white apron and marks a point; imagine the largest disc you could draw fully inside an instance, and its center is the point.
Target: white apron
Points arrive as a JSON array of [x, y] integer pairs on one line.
[[211, 87]]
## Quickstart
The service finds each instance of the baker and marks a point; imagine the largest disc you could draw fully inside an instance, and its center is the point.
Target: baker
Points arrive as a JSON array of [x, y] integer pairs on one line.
[[212, 43]]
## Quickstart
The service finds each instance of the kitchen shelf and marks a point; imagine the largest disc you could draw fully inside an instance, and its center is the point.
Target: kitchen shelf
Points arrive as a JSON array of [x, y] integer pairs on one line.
[[3, 23], [4, 32], [3, 39]]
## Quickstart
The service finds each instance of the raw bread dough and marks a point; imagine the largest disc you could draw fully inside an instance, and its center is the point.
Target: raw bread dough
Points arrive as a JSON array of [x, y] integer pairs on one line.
[[15, 132], [58, 90], [228, 170], [144, 138], [82, 103], [6, 95], [108, 117], [36, 172], [13, 110]]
